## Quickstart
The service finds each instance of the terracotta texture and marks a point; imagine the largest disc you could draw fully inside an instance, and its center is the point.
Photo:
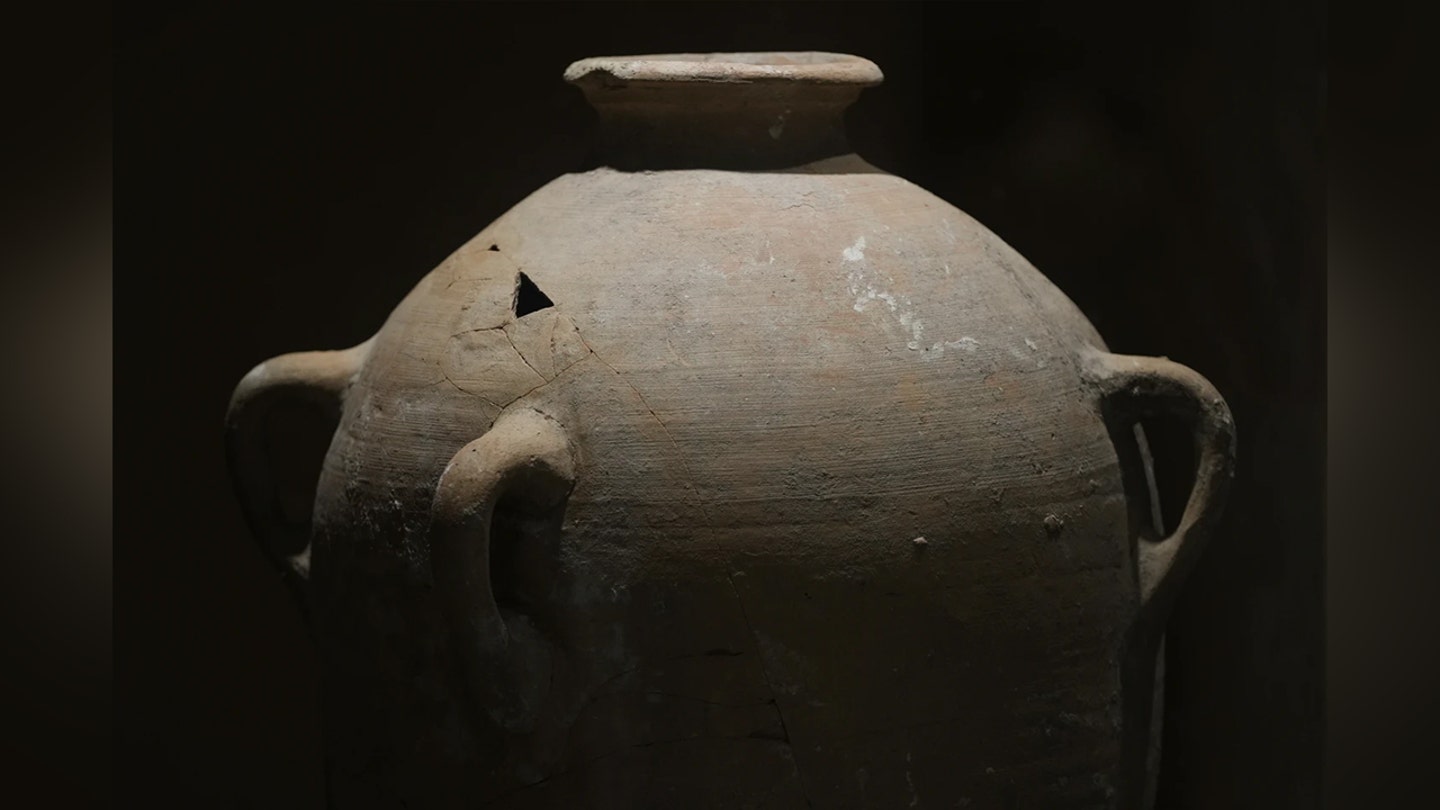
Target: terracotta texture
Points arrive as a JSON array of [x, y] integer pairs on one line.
[[734, 472]]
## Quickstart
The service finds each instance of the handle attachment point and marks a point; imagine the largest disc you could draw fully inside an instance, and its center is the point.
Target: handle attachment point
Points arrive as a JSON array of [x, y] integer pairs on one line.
[[525, 456], [1134, 388], [320, 378]]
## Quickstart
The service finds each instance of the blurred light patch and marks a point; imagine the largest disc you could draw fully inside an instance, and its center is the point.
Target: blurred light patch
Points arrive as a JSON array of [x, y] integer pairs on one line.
[[1383, 549], [56, 424]]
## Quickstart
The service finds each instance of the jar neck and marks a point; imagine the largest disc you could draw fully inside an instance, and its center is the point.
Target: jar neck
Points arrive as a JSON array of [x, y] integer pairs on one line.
[[718, 133], [670, 113]]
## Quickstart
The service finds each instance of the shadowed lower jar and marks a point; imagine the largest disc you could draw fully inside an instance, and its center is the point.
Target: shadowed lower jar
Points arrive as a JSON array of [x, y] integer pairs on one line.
[[733, 472]]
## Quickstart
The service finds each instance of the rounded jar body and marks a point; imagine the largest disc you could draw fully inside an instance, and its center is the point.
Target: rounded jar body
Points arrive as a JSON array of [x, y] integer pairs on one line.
[[708, 487]]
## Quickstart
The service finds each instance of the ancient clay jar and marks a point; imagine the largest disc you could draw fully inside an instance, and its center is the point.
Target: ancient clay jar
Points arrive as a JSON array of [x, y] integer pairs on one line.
[[734, 472]]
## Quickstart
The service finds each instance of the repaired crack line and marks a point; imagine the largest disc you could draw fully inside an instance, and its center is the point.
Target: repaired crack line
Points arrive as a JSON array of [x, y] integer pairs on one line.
[[596, 694], [679, 455], [447, 379], [508, 337], [774, 696], [446, 375], [501, 327]]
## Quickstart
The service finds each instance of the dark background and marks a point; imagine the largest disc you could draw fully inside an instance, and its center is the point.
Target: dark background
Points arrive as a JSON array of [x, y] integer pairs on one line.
[[292, 175]]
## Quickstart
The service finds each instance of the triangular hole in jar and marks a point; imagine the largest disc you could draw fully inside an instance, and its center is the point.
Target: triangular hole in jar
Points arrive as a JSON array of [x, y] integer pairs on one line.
[[529, 298]]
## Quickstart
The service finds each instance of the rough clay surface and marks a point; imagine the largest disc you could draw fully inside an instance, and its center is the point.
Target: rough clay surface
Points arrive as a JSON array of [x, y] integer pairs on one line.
[[848, 527]]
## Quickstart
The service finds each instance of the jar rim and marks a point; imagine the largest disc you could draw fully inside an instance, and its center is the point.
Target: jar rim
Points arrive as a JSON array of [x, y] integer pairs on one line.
[[790, 67]]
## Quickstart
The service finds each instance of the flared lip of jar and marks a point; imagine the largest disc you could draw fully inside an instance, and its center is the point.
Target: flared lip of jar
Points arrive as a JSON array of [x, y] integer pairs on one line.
[[766, 67]]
